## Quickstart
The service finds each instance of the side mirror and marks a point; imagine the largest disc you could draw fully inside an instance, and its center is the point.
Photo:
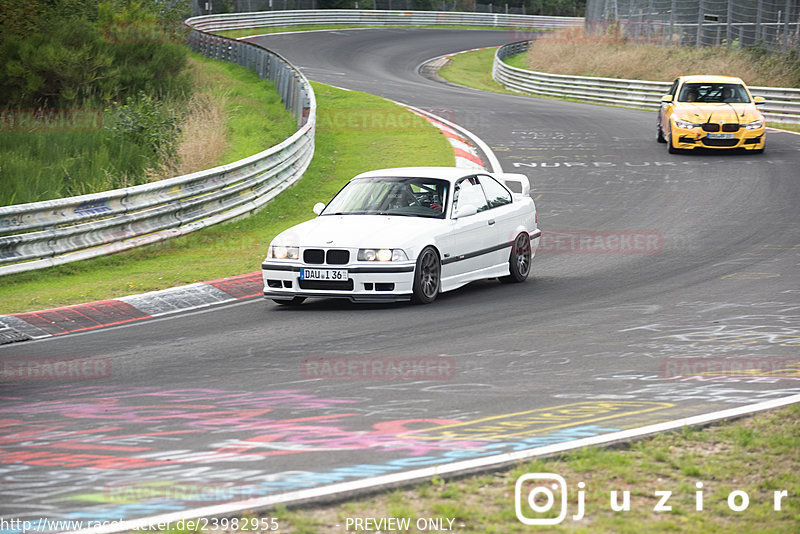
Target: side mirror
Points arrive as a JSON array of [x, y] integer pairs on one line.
[[318, 207], [758, 100], [666, 99], [465, 211]]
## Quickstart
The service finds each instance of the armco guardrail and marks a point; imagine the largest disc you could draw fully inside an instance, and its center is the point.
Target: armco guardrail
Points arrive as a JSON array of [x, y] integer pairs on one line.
[[782, 105], [42, 234], [356, 17]]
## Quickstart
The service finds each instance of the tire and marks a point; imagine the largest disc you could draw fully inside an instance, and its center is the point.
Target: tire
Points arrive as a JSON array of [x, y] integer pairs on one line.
[[660, 136], [296, 301], [427, 277], [519, 262], [671, 149]]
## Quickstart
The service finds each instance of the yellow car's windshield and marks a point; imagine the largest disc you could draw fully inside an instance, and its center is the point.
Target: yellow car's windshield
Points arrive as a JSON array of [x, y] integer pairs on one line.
[[733, 93]]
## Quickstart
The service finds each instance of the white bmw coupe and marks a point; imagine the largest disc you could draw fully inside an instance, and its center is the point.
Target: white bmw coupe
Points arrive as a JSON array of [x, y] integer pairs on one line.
[[407, 233]]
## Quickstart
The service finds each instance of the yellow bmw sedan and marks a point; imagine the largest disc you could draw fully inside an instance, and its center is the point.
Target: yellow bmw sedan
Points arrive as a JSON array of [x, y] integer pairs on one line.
[[716, 112]]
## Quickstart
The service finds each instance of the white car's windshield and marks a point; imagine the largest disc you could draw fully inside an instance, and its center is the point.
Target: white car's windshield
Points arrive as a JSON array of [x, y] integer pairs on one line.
[[414, 197]]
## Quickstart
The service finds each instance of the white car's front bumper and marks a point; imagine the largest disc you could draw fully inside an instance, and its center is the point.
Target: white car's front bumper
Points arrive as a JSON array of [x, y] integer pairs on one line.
[[366, 281]]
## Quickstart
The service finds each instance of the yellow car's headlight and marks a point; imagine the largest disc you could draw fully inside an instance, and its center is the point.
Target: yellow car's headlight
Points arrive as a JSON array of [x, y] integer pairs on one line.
[[686, 125], [755, 125]]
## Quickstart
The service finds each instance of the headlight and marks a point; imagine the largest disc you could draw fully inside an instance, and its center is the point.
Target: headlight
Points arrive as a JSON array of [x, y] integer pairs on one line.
[[381, 254], [281, 252], [755, 125], [686, 125]]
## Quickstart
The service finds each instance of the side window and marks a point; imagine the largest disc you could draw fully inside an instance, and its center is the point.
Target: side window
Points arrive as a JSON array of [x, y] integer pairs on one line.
[[496, 194], [469, 191], [674, 89]]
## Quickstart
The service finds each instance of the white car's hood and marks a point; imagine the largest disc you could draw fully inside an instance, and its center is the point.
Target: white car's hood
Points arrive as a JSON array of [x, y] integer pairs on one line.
[[359, 231]]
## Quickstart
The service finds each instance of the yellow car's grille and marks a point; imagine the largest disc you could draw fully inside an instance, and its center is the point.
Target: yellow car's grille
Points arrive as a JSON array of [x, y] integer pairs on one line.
[[710, 127]]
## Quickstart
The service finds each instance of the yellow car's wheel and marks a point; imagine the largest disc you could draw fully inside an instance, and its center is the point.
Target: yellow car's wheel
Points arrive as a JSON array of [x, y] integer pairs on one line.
[[670, 148]]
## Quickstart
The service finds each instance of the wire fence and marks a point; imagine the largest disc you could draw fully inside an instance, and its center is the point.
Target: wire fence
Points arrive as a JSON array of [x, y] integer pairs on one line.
[[771, 24]]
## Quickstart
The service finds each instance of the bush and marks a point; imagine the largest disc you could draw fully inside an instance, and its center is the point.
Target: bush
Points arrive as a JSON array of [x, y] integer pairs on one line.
[[62, 65], [148, 52], [61, 54], [147, 123]]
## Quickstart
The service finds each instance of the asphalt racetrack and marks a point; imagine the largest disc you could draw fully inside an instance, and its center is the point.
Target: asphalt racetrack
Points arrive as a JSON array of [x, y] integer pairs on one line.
[[657, 271]]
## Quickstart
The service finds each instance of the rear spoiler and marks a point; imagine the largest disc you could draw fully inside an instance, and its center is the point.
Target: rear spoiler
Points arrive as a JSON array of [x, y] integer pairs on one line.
[[517, 183]]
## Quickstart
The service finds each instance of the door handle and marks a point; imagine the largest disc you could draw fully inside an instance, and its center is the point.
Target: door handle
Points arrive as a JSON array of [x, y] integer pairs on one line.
[[491, 222]]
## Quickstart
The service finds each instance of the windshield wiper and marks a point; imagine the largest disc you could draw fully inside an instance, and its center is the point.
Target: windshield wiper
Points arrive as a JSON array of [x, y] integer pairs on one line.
[[394, 214], [348, 213]]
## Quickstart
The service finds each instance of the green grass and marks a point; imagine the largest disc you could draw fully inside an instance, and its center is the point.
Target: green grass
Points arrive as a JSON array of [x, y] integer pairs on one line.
[[74, 153], [357, 132], [256, 117], [517, 60], [470, 69], [758, 455], [474, 69], [66, 157], [782, 126]]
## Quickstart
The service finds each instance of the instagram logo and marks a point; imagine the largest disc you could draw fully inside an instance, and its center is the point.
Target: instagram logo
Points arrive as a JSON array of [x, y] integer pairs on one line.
[[535, 496], [536, 493]]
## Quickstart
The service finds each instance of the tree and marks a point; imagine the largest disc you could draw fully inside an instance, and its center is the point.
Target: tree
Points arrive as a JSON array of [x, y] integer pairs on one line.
[[63, 53]]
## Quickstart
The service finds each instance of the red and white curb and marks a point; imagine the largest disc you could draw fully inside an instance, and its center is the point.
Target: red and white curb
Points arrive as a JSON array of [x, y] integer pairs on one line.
[[112, 312], [465, 143], [466, 155]]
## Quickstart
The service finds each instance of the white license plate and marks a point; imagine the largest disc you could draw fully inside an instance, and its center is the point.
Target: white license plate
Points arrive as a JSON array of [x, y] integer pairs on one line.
[[720, 136], [333, 275]]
